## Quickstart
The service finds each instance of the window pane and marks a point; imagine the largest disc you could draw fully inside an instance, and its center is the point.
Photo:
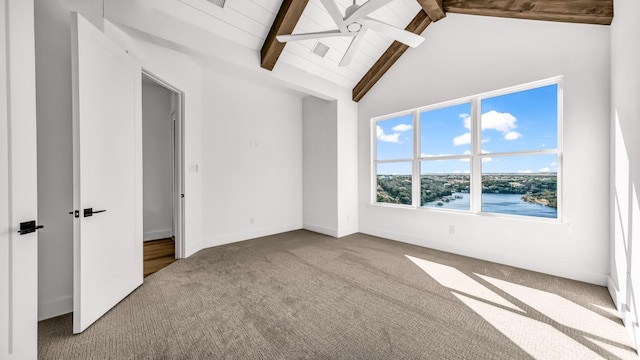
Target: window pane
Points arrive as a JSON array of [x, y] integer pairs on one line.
[[445, 184], [446, 131], [394, 138], [521, 185], [525, 120], [394, 183]]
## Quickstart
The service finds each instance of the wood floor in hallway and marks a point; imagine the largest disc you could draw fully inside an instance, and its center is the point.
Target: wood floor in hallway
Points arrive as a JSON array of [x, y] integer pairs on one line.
[[158, 254]]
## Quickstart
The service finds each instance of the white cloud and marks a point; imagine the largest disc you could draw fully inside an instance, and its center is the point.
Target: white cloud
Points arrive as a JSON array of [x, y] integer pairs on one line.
[[467, 152], [462, 139], [553, 164], [525, 172], [432, 155], [393, 138], [486, 159], [544, 169], [505, 123], [512, 135], [466, 121], [502, 122], [402, 127]]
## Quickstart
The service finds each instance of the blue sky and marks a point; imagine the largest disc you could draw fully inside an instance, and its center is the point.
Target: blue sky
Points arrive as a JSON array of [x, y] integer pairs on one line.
[[521, 121]]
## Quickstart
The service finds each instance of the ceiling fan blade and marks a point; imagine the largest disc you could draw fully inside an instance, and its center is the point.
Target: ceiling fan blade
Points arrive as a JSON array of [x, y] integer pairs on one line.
[[313, 35], [405, 37], [346, 59], [336, 14], [365, 9]]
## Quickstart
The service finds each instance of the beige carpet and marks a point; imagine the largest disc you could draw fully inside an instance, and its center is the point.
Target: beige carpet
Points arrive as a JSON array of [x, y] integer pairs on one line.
[[301, 295]]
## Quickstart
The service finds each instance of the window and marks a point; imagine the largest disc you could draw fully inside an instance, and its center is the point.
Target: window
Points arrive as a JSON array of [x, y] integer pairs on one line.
[[394, 160], [491, 153]]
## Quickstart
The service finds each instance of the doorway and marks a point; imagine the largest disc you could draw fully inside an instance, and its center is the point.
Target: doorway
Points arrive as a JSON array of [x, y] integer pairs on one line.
[[162, 157]]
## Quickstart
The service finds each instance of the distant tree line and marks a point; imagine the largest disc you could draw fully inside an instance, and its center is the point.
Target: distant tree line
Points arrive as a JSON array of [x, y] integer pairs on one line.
[[535, 188]]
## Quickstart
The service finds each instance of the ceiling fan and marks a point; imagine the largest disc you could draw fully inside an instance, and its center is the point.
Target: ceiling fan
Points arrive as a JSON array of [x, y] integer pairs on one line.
[[355, 24]]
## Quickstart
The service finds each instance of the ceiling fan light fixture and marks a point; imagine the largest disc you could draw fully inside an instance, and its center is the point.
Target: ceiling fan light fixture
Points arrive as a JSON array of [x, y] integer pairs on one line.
[[354, 27]]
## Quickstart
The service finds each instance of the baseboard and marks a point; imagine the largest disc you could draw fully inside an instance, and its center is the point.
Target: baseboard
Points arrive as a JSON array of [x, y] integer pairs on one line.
[[191, 249], [614, 293], [53, 308], [246, 235], [320, 229], [347, 232], [623, 311], [488, 255], [157, 234]]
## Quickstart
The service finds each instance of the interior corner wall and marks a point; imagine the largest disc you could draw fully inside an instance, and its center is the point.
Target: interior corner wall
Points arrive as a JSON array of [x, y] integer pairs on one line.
[[55, 173], [465, 55], [347, 176], [320, 173], [251, 160], [625, 166], [157, 164]]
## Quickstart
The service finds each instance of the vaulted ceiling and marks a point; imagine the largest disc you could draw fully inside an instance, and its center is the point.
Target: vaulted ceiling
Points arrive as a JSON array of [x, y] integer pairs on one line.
[[243, 29], [376, 55]]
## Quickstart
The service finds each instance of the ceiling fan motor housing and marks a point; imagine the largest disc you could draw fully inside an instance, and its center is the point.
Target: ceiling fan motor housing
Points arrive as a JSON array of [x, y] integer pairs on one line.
[[354, 27]]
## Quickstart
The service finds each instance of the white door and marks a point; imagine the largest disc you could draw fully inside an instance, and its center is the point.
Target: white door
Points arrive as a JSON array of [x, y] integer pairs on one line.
[[18, 182], [107, 173]]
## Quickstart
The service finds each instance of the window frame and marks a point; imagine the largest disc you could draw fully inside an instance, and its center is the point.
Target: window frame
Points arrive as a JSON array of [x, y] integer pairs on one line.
[[476, 156]]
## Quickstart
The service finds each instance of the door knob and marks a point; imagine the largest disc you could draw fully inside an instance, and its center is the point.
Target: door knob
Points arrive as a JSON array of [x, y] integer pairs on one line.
[[28, 227], [89, 212]]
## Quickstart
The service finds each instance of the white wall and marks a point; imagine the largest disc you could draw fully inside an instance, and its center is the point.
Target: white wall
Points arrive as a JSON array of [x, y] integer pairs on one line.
[[330, 166], [347, 193], [157, 164], [319, 164], [466, 55], [182, 73], [252, 160], [53, 96], [625, 167]]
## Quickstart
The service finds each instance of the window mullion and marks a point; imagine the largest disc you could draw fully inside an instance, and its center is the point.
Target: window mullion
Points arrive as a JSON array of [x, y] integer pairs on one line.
[[415, 179], [476, 160]]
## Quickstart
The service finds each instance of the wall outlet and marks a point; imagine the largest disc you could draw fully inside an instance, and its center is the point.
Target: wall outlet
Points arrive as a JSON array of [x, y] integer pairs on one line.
[[452, 229]]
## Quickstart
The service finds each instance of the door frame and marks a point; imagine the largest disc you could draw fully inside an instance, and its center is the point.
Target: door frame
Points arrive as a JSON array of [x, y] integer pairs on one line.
[[177, 116]]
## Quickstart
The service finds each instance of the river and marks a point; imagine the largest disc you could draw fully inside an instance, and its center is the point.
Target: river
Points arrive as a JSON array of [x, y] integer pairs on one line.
[[498, 203]]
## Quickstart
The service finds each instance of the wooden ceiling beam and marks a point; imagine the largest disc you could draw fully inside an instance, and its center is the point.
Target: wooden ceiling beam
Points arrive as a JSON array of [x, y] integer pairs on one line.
[[286, 20], [576, 11], [433, 8], [386, 61]]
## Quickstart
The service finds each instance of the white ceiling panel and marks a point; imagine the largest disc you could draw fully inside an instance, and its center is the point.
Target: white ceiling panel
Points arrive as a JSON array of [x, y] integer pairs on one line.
[[316, 18], [248, 22]]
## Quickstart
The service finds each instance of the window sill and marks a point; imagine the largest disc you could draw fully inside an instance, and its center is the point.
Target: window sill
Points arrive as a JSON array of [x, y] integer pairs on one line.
[[468, 213]]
